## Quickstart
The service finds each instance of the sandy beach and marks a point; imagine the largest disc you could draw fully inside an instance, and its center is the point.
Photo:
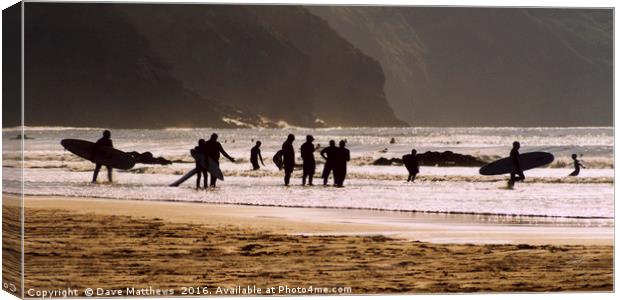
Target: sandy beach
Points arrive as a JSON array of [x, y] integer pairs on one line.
[[101, 243]]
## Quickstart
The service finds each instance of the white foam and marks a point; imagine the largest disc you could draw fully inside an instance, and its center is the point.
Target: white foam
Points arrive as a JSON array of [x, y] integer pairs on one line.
[[50, 170], [529, 199]]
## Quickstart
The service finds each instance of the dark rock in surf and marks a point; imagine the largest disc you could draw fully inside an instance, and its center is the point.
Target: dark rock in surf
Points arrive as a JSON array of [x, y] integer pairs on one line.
[[147, 158], [434, 158], [387, 162], [449, 159]]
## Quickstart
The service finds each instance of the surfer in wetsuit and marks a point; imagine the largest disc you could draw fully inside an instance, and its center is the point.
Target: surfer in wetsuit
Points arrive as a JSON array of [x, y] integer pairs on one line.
[[201, 162], [104, 141], [343, 155], [411, 163], [213, 148], [516, 166], [255, 155], [288, 158], [577, 165], [307, 155], [328, 154]]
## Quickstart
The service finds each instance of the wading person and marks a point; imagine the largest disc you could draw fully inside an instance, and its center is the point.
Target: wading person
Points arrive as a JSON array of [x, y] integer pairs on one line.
[[411, 163], [517, 172], [255, 155], [577, 165], [198, 153], [307, 155], [328, 153], [104, 142], [342, 156], [213, 148], [288, 158]]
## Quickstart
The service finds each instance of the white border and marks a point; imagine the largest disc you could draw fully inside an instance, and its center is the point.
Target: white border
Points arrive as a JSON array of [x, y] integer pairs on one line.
[[511, 3]]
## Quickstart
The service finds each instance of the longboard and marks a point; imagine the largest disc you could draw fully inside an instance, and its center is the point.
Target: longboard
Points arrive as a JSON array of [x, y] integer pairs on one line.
[[407, 158], [185, 177], [527, 161], [278, 159], [198, 157], [214, 170], [106, 156]]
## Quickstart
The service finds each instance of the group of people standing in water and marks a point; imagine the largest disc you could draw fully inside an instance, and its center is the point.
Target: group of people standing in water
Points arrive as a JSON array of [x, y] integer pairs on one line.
[[336, 159], [208, 152]]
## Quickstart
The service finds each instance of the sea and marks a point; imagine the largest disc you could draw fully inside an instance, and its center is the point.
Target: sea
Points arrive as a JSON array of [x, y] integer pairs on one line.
[[49, 170]]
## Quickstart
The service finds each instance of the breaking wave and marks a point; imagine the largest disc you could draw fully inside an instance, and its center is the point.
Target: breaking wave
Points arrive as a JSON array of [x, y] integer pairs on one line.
[[182, 169], [43, 160]]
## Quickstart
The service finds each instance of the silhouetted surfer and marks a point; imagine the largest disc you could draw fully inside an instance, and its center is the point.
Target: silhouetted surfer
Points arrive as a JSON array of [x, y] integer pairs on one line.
[[411, 163], [213, 149], [199, 155], [307, 155], [288, 158], [104, 141], [255, 155], [516, 166], [340, 164], [328, 154], [577, 165]]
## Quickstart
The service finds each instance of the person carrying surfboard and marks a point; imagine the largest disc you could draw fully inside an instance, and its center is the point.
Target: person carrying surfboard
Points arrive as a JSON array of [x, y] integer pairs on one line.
[[255, 155], [307, 155], [343, 155], [213, 148], [288, 158], [328, 154], [411, 163], [516, 166], [198, 153], [104, 141], [577, 165]]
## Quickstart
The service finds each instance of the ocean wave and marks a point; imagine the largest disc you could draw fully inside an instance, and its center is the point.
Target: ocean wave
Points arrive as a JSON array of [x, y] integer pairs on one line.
[[538, 196], [390, 177], [53, 158], [80, 165], [592, 162], [570, 180], [464, 178]]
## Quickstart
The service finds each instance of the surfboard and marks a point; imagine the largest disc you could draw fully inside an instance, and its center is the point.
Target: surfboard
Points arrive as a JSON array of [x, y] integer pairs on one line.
[[278, 159], [527, 161], [213, 169], [407, 159], [198, 157], [185, 177], [106, 156]]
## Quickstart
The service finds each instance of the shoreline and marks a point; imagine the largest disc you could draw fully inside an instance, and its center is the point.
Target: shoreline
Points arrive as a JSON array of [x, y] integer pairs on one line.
[[425, 227], [524, 218], [120, 244], [82, 243]]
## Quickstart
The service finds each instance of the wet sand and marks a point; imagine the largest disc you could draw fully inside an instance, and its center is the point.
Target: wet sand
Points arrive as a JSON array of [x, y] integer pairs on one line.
[[80, 243], [426, 227]]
